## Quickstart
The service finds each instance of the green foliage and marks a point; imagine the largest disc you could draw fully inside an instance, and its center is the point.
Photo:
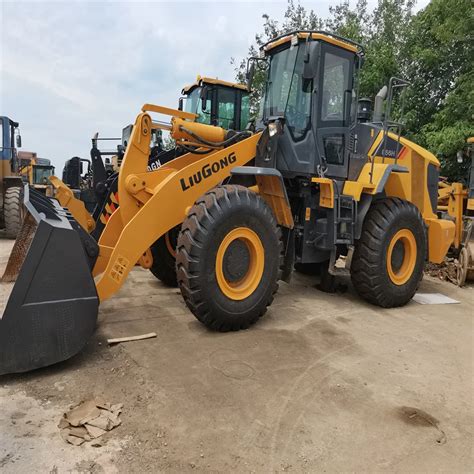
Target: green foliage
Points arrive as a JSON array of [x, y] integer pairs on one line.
[[438, 60], [430, 48], [450, 126], [168, 143], [349, 23]]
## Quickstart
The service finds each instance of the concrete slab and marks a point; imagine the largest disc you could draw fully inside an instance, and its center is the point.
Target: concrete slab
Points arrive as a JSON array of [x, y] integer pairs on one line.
[[322, 383]]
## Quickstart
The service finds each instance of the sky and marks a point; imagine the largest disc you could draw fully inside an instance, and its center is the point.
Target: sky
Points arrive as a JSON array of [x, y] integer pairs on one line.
[[69, 69]]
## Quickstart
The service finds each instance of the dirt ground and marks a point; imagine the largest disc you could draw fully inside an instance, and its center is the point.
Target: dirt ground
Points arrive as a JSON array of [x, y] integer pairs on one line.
[[323, 383]]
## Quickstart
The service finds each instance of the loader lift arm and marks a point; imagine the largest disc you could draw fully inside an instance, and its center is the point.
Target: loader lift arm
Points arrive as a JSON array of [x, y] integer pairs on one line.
[[144, 214]]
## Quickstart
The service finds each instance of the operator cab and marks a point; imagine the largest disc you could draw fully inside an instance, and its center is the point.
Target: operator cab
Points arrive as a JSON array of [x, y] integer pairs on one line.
[[10, 140], [310, 92], [220, 103], [41, 174]]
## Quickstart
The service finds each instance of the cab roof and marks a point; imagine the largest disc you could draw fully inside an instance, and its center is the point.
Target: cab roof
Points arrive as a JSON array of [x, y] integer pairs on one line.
[[331, 38], [210, 80]]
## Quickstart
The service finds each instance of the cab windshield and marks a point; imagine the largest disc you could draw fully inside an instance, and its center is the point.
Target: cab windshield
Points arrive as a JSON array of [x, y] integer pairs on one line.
[[193, 104], [286, 93], [226, 99], [192, 100], [41, 174]]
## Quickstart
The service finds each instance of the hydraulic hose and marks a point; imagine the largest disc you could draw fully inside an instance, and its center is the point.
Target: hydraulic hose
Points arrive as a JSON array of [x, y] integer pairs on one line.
[[224, 143], [195, 152]]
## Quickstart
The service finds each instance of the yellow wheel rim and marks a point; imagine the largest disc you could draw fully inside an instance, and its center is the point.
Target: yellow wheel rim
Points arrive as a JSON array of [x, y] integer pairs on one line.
[[240, 261], [170, 248], [401, 256]]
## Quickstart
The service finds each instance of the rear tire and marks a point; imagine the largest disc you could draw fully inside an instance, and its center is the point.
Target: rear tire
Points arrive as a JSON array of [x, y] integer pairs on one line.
[[461, 267], [229, 258], [14, 212], [387, 265], [164, 258]]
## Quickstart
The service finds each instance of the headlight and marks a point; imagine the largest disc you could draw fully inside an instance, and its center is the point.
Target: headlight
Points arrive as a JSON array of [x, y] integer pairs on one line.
[[272, 129], [275, 127]]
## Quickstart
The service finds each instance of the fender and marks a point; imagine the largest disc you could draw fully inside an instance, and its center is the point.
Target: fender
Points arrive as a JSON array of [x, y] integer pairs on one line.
[[272, 188]]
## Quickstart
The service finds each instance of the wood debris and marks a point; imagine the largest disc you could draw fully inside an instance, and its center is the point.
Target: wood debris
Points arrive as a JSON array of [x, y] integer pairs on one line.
[[89, 420], [131, 338], [445, 271]]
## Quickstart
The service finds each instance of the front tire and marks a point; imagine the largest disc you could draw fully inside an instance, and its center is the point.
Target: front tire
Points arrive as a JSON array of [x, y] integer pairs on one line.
[[14, 212], [387, 265], [164, 258], [229, 258]]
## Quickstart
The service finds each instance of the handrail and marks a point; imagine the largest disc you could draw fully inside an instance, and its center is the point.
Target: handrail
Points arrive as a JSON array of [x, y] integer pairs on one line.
[[387, 124]]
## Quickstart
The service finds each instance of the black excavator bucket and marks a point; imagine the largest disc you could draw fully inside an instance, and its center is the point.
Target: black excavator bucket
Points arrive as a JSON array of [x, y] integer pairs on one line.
[[53, 306]]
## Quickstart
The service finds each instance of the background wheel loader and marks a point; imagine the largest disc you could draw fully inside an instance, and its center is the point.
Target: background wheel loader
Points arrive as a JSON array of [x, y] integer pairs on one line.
[[11, 183], [456, 202], [316, 180], [36, 171]]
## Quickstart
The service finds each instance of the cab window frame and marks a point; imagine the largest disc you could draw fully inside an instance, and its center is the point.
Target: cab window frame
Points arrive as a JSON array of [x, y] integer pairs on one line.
[[301, 85], [346, 112], [236, 104]]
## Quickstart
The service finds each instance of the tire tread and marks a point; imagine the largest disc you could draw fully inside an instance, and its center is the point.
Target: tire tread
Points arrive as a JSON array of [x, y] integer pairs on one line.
[[368, 280], [195, 230]]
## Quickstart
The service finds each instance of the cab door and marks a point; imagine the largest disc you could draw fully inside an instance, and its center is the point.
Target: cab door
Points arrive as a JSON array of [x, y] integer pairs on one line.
[[226, 105], [333, 108]]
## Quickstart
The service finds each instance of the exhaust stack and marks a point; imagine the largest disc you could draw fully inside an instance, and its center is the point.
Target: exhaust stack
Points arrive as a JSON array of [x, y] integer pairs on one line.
[[378, 105]]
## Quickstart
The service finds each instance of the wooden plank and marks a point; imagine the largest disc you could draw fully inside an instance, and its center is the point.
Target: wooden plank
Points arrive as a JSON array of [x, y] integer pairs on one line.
[[131, 338]]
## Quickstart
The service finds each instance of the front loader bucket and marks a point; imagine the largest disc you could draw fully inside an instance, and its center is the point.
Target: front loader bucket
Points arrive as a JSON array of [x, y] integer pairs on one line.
[[53, 307]]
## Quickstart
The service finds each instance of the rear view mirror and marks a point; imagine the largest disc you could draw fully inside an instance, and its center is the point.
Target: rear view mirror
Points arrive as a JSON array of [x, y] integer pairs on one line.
[[180, 103], [250, 74], [311, 59], [204, 94], [18, 141]]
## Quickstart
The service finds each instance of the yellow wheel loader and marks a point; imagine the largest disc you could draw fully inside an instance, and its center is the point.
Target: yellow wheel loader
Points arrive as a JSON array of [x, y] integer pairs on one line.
[[36, 171], [11, 182], [319, 178], [217, 102], [456, 202]]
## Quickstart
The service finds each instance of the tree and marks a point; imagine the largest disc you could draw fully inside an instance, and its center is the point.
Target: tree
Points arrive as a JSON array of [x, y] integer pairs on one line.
[[350, 23], [438, 60], [384, 42]]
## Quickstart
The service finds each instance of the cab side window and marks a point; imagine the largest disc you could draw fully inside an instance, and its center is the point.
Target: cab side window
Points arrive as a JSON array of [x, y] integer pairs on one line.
[[335, 85], [204, 115], [226, 108], [298, 107]]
